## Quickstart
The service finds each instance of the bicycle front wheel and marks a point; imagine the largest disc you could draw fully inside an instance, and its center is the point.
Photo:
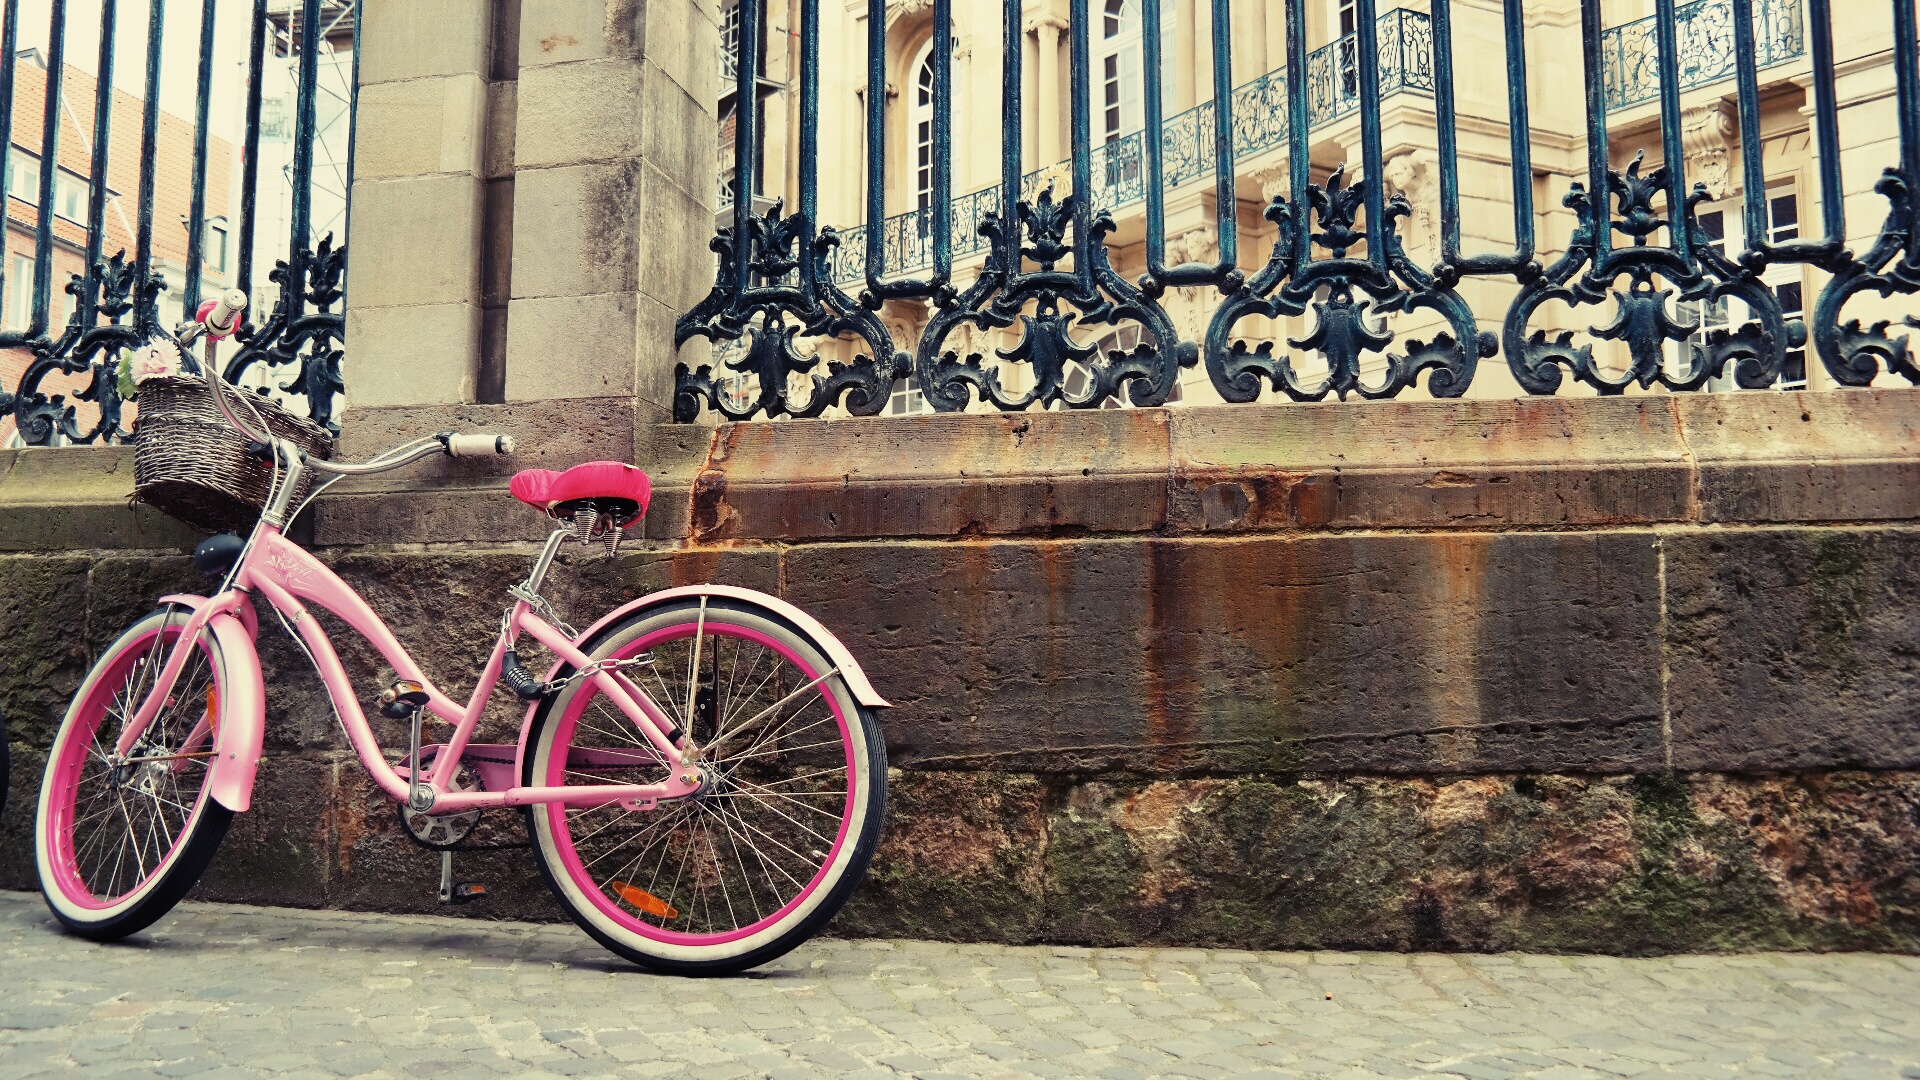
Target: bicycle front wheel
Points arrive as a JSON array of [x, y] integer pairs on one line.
[[778, 837], [119, 842]]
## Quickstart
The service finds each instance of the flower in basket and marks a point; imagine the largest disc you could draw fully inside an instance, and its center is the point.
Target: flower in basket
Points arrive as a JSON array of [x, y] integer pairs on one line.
[[158, 357]]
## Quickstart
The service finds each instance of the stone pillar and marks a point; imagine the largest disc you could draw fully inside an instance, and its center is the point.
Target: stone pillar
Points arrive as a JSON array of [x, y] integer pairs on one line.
[[613, 205], [413, 329]]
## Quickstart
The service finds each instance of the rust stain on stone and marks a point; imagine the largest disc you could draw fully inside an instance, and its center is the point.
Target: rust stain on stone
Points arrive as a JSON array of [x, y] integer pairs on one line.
[[710, 516], [555, 41], [1447, 478]]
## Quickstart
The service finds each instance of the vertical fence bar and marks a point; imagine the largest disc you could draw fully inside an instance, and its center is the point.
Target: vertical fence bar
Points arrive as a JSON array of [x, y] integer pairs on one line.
[[9, 45], [1906, 90], [305, 131], [1370, 152], [1153, 138], [1519, 132], [149, 141], [1010, 136], [745, 143], [1443, 118], [810, 138], [250, 152], [876, 138], [1826, 123], [1298, 165], [1081, 88], [102, 137], [1671, 147], [1597, 161], [353, 129], [49, 160], [1226, 200], [1753, 169], [197, 205], [942, 140]]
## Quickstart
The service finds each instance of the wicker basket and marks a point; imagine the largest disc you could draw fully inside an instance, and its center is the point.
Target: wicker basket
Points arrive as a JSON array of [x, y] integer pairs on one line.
[[189, 463]]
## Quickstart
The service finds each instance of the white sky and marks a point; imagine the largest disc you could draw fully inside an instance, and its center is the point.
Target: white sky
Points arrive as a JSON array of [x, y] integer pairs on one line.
[[179, 58]]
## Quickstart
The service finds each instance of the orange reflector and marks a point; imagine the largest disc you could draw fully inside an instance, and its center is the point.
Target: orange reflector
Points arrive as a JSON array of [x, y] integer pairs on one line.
[[213, 711], [645, 901]]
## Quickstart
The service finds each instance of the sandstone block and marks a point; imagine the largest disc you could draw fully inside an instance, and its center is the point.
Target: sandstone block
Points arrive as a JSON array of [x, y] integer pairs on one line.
[[575, 113], [411, 355], [571, 346], [1794, 649], [411, 39], [577, 230], [434, 222]]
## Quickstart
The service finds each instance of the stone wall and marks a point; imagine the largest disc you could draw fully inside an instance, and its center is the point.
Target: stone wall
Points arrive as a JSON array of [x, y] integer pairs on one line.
[[1621, 675]]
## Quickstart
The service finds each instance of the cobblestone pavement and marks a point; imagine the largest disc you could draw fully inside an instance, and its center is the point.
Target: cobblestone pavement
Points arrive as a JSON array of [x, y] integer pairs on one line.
[[220, 991]]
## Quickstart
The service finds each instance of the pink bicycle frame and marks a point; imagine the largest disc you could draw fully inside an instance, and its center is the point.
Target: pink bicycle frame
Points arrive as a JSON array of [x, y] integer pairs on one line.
[[284, 574]]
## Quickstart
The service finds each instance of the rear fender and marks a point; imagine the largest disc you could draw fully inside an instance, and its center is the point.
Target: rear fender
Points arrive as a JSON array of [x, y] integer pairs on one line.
[[837, 653]]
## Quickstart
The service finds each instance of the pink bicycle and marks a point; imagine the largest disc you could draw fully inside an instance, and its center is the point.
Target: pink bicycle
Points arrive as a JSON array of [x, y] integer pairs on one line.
[[701, 771]]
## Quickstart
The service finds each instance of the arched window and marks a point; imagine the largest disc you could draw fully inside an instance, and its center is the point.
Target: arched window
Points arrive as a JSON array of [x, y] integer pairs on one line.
[[1117, 65]]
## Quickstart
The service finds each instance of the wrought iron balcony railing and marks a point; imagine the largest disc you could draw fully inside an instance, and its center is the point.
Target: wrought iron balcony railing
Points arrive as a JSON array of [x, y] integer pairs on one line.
[[1706, 41], [1259, 124], [1638, 248]]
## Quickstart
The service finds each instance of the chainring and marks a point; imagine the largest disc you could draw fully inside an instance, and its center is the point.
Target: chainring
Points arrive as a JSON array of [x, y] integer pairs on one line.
[[443, 832]]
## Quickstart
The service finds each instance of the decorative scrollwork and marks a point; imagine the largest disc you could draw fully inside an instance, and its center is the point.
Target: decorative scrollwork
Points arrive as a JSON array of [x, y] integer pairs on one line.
[[1346, 327], [1854, 353], [775, 247], [292, 333], [1692, 268], [114, 289], [1000, 296]]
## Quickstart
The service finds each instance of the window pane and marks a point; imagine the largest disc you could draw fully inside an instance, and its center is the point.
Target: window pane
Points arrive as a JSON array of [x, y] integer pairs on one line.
[[1795, 369], [1790, 299]]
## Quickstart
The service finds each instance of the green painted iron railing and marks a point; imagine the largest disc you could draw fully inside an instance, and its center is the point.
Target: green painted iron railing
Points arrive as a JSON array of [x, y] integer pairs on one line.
[[115, 301], [1337, 259]]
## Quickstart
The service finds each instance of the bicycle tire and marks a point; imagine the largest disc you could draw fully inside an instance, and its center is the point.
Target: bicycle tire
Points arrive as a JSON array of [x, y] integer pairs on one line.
[[698, 925], [162, 803]]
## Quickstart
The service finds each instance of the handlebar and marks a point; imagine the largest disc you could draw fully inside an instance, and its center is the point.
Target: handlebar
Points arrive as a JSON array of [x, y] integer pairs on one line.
[[219, 317]]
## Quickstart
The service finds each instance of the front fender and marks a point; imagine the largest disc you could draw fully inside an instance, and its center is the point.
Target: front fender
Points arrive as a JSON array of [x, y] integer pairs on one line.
[[243, 717]]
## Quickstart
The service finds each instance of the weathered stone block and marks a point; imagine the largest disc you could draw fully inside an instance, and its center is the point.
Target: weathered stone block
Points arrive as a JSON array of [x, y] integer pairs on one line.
[[570, 114], [435, 220], [43, 619], [564, 31], [676, 225], [940, 475], [1544, 461], [1648, 864], [577, 229], [571, 346], [420, 127], [1368, 653], [1805, 456], [407, 355], [410, 39], [1794, 649], [279, 851]]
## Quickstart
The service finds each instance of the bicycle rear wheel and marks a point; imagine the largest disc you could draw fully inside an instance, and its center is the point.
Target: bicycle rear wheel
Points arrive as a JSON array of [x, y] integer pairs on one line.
[[782, 832], [118, 843]]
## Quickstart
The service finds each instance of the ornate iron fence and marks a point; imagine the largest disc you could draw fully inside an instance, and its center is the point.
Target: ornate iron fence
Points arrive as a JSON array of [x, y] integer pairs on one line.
[[117, 301], [1339, 258]]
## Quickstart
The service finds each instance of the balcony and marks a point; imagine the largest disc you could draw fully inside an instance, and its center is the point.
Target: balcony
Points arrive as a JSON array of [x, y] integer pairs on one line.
[[1704, 31]]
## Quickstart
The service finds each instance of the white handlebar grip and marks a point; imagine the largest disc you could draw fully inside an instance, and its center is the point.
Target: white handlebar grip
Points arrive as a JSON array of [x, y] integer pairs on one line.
[[479, 444], [225, 309]]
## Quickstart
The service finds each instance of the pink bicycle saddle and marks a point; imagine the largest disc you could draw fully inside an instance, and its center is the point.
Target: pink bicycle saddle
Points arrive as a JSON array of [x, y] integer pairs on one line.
[[614, 487]]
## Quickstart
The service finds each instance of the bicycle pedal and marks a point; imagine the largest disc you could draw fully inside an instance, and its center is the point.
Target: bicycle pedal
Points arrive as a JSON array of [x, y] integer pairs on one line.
[[466, 892]]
